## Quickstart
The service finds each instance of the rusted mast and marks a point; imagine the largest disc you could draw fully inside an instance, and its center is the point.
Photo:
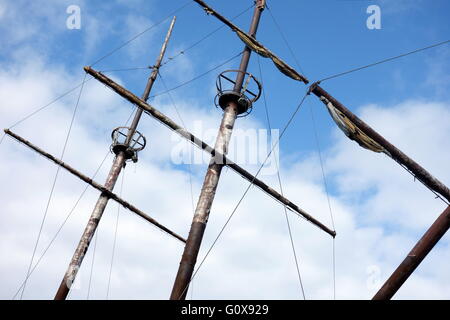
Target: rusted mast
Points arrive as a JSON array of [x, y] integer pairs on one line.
[[415, 257], [118, 164], [211, 181]]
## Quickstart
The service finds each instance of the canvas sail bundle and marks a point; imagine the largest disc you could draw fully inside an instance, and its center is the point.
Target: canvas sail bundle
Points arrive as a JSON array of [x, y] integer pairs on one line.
[[263, 52], [351, 130]]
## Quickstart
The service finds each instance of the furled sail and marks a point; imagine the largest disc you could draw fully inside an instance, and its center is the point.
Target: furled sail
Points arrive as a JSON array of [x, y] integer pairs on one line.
[[259, 49], [351, 130]]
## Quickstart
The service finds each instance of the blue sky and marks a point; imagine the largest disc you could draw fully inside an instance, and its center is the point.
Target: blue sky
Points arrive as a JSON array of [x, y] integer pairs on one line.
[[406, 99]]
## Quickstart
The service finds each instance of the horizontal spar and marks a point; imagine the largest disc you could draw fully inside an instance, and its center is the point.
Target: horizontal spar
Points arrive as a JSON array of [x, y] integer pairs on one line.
[[96, 185], [421, 174], [189, 136]]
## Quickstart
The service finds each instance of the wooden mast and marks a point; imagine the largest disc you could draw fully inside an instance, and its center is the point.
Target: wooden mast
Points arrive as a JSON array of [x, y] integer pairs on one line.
[[212, 177]]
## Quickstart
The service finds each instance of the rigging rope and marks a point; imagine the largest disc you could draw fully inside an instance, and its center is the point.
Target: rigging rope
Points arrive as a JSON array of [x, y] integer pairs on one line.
[[334, 76], [53, 186], [279, 182], [2, 138], [67, 217], [181, 52], [141, 33], [283, 36], [51, 102], [384, 60], [115, 237], [328, 197], [196, 77], [334, 267], [97, 61], [437, 195], [62, 225], [184, 126], [189, 164], [318, 147], [247, 189], [127, 69]]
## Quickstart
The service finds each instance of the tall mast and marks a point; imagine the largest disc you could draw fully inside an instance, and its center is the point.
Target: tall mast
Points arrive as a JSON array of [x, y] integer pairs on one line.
[[231, 110], [125, 146]]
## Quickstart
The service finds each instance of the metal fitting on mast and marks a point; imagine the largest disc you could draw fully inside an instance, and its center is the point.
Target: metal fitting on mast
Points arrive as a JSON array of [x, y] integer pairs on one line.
[[249, 93], [120, 143]]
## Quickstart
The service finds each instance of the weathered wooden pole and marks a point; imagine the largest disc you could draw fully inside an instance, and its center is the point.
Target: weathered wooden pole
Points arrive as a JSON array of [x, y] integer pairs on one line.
[[119, 162], [211, 181], [415, 257]]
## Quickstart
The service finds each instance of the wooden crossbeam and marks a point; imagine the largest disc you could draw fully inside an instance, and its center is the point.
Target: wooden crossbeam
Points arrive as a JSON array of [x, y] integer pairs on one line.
[[96, 185]]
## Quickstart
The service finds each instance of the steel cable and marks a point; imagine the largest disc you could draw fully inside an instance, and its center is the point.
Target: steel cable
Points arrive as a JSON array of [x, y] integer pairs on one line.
[[66, 219], [384, 60], [280, 184], [53, 186]]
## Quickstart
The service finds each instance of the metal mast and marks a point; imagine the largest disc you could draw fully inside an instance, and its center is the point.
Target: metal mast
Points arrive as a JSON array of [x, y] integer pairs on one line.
[[124, 149], [231, 110]]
